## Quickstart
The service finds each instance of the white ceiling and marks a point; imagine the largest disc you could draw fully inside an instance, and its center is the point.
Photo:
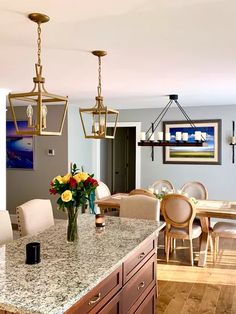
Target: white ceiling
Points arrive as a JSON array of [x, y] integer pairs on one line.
[[155, 47]]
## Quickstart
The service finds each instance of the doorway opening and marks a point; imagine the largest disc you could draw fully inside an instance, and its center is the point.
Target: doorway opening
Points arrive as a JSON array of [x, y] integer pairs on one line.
[[118, 161]]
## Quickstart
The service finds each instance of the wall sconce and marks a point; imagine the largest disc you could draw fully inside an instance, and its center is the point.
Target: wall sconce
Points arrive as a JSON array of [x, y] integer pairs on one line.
[[233, 141]]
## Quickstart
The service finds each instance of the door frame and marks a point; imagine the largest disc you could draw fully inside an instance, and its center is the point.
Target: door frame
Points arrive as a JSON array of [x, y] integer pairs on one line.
[[97, 149]]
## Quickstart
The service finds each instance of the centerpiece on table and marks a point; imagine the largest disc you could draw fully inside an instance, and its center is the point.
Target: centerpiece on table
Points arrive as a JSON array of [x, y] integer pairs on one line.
[[75, 189]]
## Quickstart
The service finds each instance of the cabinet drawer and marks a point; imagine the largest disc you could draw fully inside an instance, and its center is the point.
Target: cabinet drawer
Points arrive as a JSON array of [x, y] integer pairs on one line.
[[144, 279], [101, 294], [149, 304], [138, 258], [113, 307]]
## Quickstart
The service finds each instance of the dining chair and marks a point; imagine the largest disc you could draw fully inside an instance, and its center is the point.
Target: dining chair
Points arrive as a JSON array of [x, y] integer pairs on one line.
[[34, 216], [102, 191], [179, 213], [141, 192], [222, 229], [6, 234], [195, 189], [140, 207], [161, 185]]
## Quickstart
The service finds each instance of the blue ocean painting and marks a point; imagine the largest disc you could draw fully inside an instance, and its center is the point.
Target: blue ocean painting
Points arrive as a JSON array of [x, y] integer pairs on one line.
[[194, 152], [19, 148]]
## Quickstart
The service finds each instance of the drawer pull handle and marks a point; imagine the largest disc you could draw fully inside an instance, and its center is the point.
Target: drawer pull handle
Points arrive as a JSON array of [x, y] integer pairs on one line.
[[141, 285], [141, 255], [95, 299]]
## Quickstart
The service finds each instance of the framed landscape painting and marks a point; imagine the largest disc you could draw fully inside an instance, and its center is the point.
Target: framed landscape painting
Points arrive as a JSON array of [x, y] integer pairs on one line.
[[20, 153], [208, 155]]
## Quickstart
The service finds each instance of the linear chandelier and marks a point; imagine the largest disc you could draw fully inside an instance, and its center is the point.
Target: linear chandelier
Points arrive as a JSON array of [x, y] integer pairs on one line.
[[38, 99], [96, 120], [150, 138]]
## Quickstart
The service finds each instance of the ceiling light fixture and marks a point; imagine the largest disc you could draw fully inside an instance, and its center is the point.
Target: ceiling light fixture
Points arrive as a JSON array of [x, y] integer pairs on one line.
[[97, 119], [38, 97], [180, 139]]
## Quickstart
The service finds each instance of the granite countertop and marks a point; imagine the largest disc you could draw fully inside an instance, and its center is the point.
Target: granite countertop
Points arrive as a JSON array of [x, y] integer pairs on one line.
[[67, 271]]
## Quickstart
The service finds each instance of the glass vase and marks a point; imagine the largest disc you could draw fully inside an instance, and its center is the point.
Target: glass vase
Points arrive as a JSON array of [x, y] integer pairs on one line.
[[72, 232]]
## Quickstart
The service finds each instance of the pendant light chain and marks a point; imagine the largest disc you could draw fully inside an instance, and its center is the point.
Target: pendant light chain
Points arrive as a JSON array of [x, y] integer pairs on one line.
[[99, 77], [39, 44]]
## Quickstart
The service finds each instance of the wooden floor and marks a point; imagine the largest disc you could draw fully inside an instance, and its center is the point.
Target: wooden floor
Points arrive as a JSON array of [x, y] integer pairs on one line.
[[186, 289]]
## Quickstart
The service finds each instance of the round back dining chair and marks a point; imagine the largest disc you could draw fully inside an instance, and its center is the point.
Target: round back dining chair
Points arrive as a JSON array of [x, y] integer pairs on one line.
[[179, 213], [161, 185], [195, 189], [6, 234], [140, 207], [142, 192], [102, 191], [34, 216]]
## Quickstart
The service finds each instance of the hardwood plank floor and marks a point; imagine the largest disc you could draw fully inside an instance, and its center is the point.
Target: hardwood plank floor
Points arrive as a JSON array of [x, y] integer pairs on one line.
[[185, 289]]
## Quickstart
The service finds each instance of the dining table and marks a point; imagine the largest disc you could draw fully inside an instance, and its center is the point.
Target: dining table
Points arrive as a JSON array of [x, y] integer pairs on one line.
[[206, 209]]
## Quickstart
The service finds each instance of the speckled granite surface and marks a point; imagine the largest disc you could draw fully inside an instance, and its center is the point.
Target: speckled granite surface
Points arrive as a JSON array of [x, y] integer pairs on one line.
[[67, 271]]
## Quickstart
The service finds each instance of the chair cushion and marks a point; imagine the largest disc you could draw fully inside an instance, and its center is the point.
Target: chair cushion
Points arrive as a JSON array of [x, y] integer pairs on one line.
[[228, 228], [196, 231]]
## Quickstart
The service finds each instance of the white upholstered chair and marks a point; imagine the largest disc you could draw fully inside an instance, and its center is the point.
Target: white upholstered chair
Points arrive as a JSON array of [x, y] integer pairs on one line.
[[179, 212], [142, 192], [163, 184], [34, 216], [140, 207], [195, 189], [222, 229], [6, 234], [102, 191]]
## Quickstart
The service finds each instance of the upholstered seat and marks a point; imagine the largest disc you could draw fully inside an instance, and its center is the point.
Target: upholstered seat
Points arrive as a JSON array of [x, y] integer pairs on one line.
[[225, 228], [222, 230], [140, 207], [34, 216], [196, 231], [6, 234]]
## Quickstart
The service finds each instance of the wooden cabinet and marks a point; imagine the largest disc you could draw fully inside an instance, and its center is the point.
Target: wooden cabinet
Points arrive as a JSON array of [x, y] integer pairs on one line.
[[93, 301], [130, 289]]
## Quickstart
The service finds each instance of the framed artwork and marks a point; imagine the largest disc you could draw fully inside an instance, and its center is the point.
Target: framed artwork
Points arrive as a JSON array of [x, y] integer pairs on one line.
[[205, 155], [20, 152]]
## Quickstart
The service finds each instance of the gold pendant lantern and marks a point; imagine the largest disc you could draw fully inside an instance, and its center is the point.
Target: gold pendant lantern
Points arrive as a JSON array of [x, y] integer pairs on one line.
[[97, 119], [38, 99]]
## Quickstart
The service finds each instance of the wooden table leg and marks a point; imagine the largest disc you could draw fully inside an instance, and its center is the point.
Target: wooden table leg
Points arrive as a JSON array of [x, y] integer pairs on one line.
[[205, 224]]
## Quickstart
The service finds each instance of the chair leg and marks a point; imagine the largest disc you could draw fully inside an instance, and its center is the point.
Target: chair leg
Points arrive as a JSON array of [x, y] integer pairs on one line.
[[211, 243], [215, 249], [174, 244], [171, 245], [165, 242], [217, 244], [168, 248], [191, 250]]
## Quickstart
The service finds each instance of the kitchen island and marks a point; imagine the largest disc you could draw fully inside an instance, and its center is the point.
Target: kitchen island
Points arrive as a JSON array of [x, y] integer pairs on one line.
[[110, 270]]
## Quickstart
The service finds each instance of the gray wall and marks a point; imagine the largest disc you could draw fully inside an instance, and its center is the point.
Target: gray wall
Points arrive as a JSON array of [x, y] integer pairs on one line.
[[80, 150], [23, 185], [219, 179]]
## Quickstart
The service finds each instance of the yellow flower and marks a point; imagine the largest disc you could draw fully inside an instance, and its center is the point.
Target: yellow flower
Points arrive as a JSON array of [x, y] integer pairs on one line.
[[58, 178], [66, 196], [81, 176], [66, 178]]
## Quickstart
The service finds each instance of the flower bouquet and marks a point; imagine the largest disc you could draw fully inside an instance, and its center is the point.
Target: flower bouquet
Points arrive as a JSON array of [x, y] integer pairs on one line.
[[75, 189]]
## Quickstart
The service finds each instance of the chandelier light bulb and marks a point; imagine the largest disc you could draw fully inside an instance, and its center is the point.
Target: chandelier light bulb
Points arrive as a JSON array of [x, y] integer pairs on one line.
[[29, 113], [44, 116]]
